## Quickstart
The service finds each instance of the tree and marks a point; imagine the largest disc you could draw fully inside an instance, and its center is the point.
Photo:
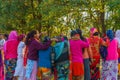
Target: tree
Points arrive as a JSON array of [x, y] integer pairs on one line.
[[57, 16]]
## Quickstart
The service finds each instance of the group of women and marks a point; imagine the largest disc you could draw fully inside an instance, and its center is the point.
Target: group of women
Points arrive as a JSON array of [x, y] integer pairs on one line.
[[28, 57]]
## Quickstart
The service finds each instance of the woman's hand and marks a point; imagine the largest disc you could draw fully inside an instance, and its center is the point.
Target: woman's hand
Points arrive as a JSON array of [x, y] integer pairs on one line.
[[54, 39]]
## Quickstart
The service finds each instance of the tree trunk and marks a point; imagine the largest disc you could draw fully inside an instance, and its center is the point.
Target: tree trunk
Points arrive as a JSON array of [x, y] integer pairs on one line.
[[39, 17], [102, 18]]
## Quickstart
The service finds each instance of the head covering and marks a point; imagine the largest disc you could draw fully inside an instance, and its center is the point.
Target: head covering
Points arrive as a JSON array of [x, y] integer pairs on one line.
[[117, 37], [110, 34], [13, 35], [92, 31], [20, 37]]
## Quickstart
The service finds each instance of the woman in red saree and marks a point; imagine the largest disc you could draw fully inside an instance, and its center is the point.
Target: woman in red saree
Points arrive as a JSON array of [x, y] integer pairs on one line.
[[95, 42]]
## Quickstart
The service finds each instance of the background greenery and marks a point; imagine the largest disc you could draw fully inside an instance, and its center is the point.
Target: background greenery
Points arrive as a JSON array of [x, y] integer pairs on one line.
[[59, 16]]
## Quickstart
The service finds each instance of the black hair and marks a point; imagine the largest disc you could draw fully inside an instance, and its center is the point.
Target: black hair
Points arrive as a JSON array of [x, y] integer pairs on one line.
[[65, 38], [96, 34], [6, 35], [30, 35], [80, 33], [46, 39], [81, 37], [73, 32]]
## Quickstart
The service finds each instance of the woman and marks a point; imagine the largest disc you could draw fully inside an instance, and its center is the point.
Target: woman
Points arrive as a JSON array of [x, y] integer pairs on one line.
[[19, 70], [87, 56], [10, 54], [110, 66], [95, 42], [32, 41], [62, 61], [117, 37], [44, 63], [76, 46]]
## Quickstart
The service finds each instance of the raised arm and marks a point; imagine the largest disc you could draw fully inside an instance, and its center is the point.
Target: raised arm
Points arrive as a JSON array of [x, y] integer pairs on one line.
[[84, 44], [104, 43], [40, 46]]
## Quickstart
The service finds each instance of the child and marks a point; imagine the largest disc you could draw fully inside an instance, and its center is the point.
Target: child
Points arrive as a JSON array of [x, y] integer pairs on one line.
[[19, 70]]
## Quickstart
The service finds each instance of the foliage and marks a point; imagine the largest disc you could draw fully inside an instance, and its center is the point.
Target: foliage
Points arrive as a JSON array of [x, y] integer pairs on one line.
[[59, 16]]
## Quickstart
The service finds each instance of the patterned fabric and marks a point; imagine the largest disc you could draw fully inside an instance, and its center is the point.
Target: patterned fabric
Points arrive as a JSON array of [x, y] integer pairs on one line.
[[95, 42], [95, 69], [63, 62], [95, 65], [1, 67], [29, 68], [10, 68], [44, 74], [110, 70], [63, 71], [95, 45]]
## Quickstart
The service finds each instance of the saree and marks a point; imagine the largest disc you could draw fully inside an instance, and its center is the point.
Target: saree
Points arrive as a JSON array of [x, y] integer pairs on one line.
[[1, 66], [44, 74], [44, 71], [10, 68], [110, 70], [95, 64], [63, 61]]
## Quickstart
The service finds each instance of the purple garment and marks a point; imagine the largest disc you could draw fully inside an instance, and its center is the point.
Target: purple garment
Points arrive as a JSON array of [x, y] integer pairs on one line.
[[109, 70], [0, 58], [33, 48], [118, 60]]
